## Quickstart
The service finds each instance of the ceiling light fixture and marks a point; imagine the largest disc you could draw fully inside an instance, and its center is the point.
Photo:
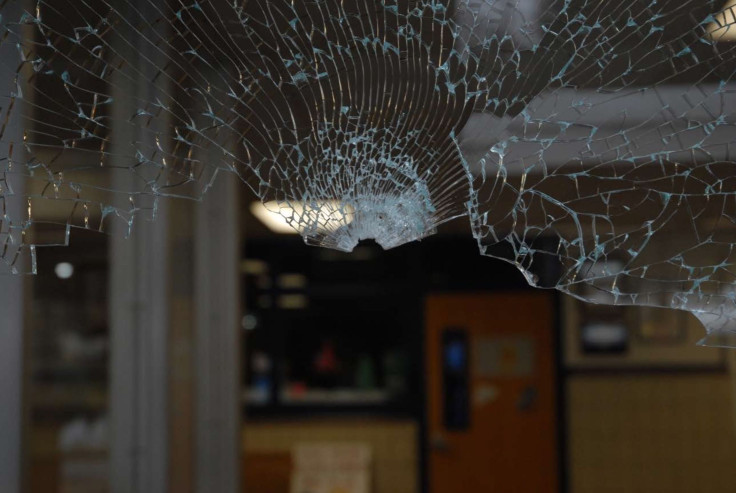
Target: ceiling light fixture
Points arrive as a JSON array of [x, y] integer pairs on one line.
[[286, 219]]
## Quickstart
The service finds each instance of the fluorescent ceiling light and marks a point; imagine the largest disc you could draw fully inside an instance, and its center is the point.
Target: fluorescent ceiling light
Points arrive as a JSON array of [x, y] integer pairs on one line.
[[723, 28], [330, 212], [273, 220]]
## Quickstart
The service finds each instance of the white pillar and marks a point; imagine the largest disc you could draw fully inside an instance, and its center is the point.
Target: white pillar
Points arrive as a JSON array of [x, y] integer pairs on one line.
[[139, 296], [218, 339], [12, 285], [138, 365], [11, 381]]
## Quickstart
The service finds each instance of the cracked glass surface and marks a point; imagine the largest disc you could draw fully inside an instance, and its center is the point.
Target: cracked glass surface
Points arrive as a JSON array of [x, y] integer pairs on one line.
[[597, 133]]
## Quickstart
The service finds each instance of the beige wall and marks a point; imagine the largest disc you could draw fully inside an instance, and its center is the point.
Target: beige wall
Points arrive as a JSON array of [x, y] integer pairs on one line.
[[394, 445], [652, 433]]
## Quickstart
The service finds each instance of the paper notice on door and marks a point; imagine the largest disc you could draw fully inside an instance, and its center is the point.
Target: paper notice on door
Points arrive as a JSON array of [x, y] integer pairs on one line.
[[503, 356]]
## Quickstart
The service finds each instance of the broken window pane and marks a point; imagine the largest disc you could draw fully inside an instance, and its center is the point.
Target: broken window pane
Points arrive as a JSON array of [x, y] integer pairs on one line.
[[599, 133]]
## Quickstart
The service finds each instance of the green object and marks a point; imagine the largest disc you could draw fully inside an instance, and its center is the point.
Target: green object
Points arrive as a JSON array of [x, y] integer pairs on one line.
[[365, 374]]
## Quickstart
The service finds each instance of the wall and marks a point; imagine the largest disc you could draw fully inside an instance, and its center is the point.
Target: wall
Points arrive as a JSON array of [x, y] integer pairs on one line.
[[650, 433], [658, 417], [394, 446]]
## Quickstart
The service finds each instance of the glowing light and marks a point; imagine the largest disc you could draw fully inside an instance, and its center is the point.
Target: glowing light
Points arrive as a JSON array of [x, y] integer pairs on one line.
[[723, 28], [287, 219], [64, 270]]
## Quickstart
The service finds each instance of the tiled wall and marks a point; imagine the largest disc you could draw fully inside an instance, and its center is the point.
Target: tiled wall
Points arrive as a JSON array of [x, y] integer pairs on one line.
[[393, 443], [652, 433]]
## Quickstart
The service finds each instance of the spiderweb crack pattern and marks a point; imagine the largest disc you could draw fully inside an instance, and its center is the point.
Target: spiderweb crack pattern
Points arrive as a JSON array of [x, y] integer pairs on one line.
[[596, 133]]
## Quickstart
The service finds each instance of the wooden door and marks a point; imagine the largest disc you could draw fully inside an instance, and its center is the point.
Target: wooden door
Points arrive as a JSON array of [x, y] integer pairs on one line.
[[491, 384]]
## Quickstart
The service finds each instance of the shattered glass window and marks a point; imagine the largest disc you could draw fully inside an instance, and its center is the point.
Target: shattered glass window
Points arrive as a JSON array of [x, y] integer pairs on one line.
[[598, 133]]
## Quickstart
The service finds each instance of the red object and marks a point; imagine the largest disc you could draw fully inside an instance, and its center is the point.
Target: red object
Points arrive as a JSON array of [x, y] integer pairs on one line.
[[326, 361], [298, 388]]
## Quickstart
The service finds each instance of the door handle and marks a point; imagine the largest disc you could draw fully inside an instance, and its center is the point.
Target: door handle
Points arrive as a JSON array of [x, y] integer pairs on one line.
[[527, 399]]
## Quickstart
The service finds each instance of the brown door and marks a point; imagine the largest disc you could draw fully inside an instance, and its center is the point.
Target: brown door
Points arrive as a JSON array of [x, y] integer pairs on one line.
[[491, 378]]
